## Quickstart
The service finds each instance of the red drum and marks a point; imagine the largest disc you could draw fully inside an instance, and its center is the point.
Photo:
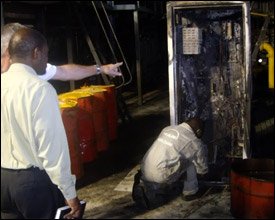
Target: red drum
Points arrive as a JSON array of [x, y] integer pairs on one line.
[[86, 130], [99, 115], [85, 127], [111, 108], [100, 120], [252, 189], [69, 113]]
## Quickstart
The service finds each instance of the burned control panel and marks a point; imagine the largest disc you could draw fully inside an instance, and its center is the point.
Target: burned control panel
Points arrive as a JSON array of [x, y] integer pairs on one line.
[[208, 58]]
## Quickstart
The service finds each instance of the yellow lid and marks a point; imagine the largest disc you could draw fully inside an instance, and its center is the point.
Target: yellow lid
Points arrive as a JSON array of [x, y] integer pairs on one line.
[[67, 104], [99, 86], [67, 95], [81, 94], [91, 90], [74, 95]]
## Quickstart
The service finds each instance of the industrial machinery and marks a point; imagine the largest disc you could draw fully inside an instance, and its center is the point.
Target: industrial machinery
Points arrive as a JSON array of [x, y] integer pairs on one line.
[[210, 72]]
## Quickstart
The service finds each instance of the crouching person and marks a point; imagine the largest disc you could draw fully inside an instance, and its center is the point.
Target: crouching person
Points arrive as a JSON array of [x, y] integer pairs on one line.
[[171, 165]]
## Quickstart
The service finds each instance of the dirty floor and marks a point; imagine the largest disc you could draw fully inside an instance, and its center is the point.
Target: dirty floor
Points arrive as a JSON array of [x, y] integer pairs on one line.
[[107, 181]]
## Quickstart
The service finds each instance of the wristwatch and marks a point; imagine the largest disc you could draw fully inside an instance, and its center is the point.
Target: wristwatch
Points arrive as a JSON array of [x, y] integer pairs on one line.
[[98, 70]]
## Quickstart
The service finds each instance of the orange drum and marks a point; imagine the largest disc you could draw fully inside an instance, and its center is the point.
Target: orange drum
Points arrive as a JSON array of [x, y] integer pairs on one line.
[[69, 113], [111, 108], [99, 115], [85, 126], [252, 188]]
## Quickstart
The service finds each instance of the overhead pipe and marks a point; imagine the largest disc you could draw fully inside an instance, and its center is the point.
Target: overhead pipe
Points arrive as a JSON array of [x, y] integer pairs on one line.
[[270, 56]]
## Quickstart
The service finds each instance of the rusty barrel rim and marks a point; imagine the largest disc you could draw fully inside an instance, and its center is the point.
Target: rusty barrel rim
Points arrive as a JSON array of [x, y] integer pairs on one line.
[[245, 166]]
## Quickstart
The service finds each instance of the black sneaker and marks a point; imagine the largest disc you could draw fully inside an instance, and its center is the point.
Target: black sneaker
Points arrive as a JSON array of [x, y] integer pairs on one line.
[[139, 196]]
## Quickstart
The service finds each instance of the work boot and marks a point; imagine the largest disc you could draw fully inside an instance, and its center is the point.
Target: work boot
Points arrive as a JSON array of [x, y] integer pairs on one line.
[[197, 195]]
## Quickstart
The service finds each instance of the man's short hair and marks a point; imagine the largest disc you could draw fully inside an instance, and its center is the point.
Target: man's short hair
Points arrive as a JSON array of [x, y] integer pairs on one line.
[[24, 41], [6, 33]]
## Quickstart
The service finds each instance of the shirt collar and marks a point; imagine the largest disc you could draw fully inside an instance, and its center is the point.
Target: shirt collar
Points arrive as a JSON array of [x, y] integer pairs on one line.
[[187, 126], [20, 66]]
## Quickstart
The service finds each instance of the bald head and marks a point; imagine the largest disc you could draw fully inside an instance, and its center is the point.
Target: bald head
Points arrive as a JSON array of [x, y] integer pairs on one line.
[[29, 47]]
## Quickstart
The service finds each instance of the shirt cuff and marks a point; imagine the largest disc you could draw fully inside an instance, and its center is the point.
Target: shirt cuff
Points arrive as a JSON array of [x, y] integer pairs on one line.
[[70, 192], [50, 72]]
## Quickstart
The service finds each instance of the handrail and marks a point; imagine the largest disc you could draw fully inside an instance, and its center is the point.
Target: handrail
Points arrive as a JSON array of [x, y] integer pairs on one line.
[[108, 41], [111, 27], [270, 56]]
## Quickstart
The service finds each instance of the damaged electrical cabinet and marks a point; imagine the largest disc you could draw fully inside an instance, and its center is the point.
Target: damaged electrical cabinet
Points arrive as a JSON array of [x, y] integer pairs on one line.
[[210, 71]]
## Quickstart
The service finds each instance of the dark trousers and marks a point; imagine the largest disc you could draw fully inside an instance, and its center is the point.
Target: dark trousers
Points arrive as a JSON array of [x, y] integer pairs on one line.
[[28, 193], [157, 194]]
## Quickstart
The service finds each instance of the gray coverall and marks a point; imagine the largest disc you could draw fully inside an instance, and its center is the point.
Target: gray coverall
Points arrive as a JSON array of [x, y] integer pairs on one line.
[[176, 150]]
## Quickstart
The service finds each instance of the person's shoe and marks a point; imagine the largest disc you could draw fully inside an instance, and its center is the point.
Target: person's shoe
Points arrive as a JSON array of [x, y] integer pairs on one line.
[[197, 195], [203, 176], [139, 196]]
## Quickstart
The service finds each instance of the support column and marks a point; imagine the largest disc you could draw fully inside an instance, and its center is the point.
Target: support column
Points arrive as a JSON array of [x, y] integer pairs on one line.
[[137, 47]]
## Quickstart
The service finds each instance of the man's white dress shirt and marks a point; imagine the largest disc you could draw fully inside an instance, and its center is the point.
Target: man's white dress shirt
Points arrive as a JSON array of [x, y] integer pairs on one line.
[[32, 131]]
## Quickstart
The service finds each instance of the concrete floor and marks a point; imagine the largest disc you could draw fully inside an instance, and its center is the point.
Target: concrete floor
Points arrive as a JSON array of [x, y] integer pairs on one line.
[[104, 202], [106, 184]]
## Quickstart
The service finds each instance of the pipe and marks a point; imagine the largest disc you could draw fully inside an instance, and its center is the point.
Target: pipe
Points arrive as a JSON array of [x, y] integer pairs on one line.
[[270, 56], [261, 14]]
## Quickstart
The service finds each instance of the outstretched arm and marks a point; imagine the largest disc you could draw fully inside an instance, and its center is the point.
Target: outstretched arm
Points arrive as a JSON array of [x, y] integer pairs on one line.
[[76, 72]]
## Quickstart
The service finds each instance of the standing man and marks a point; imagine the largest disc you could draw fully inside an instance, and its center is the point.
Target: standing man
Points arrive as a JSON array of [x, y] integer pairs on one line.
[[35, 162], [172, 164], [64, 72]]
